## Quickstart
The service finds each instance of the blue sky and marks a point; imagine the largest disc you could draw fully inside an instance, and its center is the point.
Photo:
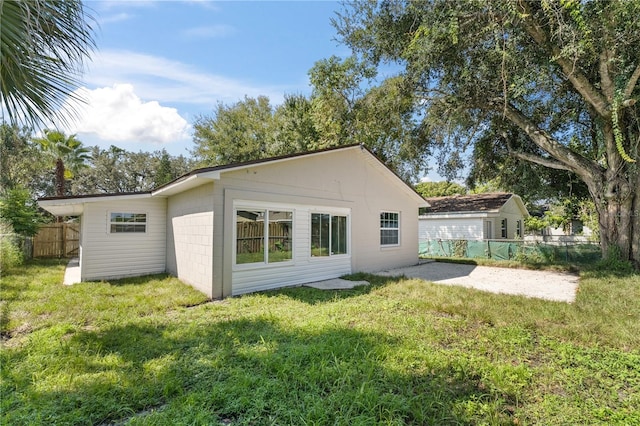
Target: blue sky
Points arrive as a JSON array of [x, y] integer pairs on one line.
[[160, 64]]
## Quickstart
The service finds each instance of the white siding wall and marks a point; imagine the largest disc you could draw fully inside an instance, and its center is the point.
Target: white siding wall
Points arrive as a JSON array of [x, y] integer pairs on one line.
[[108, 256], [303, 268], [511, 212], [451, 229], [343, 179], [190, 237]]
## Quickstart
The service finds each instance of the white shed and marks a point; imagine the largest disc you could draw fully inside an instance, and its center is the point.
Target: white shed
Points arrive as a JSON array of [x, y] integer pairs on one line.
[[473, 217], [264, 224]]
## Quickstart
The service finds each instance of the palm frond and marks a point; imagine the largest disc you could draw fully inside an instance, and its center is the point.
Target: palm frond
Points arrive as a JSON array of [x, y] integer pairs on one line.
[[43, 47]]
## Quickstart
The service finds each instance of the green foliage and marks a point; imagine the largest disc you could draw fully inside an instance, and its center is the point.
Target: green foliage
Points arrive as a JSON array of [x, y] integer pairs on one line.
[[535, 223], [22, 163], [525, 86], [588, 214], [561, 214], [440, 189], [348, 109], [116, 170], [67, 153], [241, 132], [342, 110], [614, 263], [20, 211], [10, 252], [154, 351], [44, 45]]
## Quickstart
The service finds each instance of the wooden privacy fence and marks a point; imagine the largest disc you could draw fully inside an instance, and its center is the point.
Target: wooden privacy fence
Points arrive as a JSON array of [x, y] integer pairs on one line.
[[57, 240], [250, 237]]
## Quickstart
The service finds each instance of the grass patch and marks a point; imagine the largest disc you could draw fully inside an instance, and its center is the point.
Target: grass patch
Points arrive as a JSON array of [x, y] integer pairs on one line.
[[152, 351]]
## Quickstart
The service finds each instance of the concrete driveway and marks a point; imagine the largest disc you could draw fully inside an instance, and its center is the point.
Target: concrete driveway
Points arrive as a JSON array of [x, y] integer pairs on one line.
[[547, 285]]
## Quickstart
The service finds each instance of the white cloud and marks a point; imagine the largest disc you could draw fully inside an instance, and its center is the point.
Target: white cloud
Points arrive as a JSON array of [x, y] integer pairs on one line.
[[172, 81], [118, 114]]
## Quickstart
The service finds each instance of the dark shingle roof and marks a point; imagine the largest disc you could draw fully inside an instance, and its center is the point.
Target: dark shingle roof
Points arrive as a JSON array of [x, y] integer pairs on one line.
[[467, 203]]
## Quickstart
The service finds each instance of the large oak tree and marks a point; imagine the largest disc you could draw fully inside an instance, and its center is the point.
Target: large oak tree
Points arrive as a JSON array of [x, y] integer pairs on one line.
[[560, 75]]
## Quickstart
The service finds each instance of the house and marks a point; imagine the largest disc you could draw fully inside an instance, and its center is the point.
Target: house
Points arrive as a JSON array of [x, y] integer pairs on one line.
[[473, 217], [258, 225]]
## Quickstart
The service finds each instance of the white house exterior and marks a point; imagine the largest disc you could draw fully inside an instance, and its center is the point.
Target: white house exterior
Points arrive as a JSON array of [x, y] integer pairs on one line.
[[259, 225], [473, 217]]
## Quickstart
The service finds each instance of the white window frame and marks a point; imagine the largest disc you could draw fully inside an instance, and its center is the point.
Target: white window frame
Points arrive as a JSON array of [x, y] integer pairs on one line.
[[265, 208], [380, 228], [348, 232], [135, 212], [519, 228], [504, 228]]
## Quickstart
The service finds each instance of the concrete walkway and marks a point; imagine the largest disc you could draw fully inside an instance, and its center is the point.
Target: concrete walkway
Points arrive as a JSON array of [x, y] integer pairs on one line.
[[72, 273]]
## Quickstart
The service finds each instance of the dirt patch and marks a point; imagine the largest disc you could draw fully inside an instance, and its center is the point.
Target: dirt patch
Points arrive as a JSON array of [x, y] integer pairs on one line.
[[547, 285]]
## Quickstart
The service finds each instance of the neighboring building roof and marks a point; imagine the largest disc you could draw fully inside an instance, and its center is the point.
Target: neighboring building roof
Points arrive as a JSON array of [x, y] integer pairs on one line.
[[72, 205], [470, 203]]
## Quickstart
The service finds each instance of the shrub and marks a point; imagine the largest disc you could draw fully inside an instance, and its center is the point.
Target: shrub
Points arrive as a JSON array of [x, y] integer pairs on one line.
[[10, 253]]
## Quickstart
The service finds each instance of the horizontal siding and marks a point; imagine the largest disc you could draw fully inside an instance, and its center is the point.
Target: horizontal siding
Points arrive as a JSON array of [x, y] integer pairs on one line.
[[270, 277], [108, 256], [303, 268], [451, 229]]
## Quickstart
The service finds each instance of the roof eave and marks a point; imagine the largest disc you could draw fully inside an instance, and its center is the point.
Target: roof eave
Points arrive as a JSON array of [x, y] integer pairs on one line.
[[74, 206]]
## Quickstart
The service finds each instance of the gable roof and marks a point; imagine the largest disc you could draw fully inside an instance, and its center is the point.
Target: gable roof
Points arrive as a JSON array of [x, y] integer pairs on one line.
[[485, 203], [71, 205]]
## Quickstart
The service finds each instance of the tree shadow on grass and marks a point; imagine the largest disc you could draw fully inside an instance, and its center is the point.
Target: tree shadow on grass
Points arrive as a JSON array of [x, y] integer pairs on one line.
[[314, 296], [140, 280], [246, 371]]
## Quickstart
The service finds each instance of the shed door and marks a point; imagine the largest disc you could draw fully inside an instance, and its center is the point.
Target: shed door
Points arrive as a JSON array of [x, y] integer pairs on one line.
[[488, 231]]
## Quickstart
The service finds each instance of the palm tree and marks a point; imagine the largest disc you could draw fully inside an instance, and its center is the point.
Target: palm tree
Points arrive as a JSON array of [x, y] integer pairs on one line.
[[43, 45], [68, 154]]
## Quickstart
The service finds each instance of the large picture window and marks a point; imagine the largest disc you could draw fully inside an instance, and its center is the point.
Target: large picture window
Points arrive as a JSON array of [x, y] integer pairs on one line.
[[328, 234], [127, 223], [263, 236], [389, 229]]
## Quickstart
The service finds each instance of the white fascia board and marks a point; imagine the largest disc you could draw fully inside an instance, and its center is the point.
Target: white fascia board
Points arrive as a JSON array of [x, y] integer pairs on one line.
[[520, 204], [454, 215], [74, 206], [185, 184]]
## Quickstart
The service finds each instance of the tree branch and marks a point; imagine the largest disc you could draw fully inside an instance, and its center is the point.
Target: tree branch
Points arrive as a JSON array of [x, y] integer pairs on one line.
[[631, 84], [561, 155], [533, 158], [608, 87], [577, 79]]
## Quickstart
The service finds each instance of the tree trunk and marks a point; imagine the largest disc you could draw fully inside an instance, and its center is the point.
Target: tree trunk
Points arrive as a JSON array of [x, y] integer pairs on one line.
[[59, 178], [619, 221], [59, 182]]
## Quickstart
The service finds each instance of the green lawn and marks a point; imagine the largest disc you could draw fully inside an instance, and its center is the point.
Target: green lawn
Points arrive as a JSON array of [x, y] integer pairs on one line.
[[152, 351]]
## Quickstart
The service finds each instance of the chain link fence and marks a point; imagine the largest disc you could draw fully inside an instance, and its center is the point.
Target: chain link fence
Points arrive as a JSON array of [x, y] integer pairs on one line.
[[511, 249]]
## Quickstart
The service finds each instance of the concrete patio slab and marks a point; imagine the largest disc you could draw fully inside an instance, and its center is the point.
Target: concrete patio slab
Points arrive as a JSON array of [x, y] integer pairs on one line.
[[547, 285], [72, 273], [336, 284]]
